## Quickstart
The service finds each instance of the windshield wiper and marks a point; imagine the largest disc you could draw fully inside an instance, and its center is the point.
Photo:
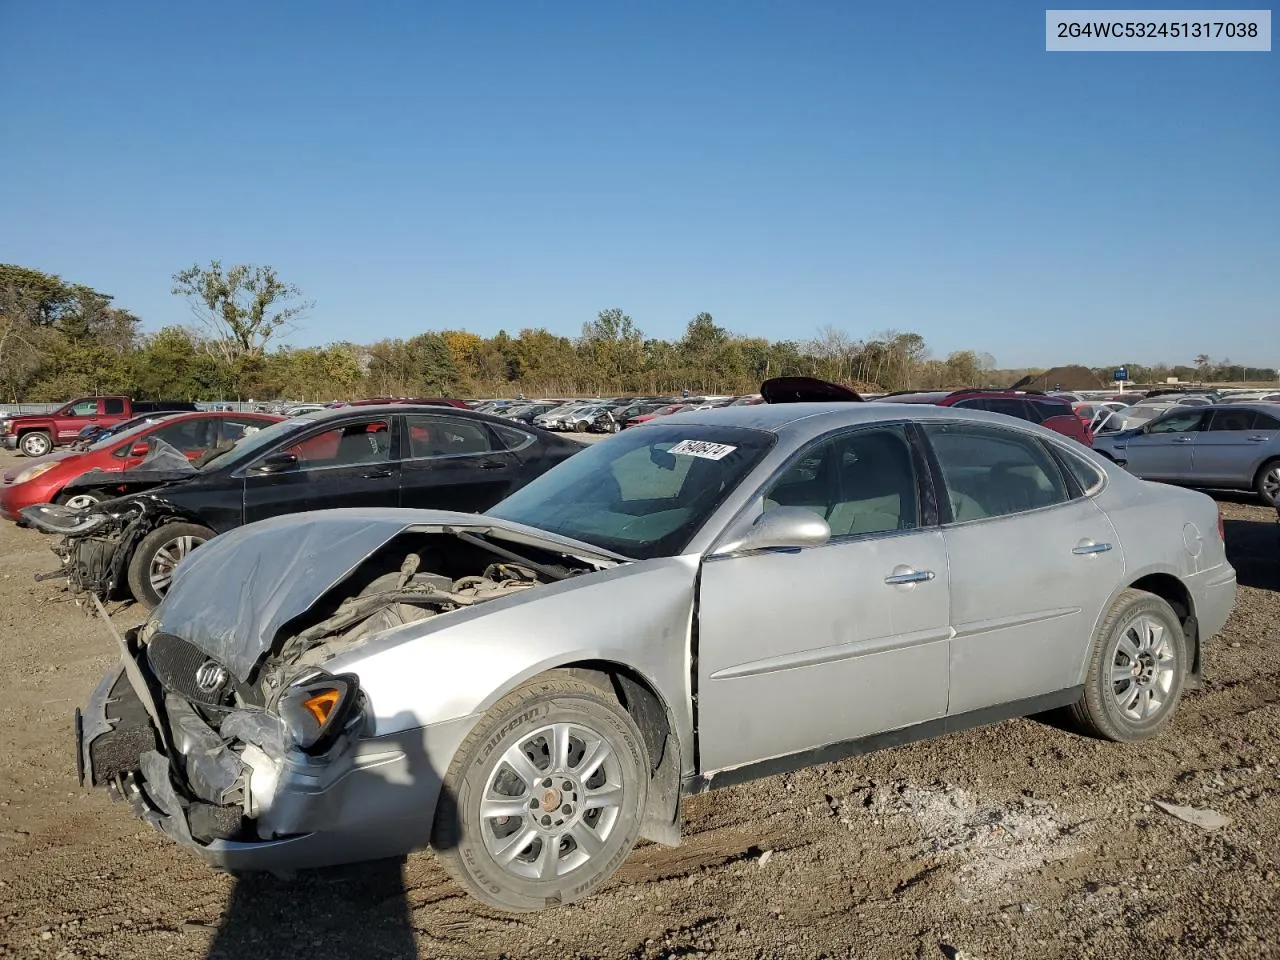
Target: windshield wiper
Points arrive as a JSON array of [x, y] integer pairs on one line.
[[479, 541]]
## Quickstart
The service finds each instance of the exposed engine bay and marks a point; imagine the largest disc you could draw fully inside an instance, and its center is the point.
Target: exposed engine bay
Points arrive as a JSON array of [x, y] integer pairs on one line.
[[204, 754]]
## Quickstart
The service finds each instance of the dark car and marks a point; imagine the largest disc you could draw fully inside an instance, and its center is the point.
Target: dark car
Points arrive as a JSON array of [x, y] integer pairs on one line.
[[387, 456], [1053, 413]]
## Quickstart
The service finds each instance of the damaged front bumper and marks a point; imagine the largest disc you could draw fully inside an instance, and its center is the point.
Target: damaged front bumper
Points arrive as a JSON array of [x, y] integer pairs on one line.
[[264, 805]]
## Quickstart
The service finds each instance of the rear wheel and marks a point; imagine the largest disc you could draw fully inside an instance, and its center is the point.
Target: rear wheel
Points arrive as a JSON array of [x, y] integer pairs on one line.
[[158, 555], [1136, 670], [82, 500], [543, 800], [36, 443], [1268, 482]]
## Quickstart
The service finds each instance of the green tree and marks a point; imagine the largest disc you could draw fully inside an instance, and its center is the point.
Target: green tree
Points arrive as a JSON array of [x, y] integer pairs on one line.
[[242, 307]]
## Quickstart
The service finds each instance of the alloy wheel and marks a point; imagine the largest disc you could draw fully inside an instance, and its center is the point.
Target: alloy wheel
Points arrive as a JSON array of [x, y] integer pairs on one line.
[[551, 802], [1142, 668], [167, 558], [1271, 484]]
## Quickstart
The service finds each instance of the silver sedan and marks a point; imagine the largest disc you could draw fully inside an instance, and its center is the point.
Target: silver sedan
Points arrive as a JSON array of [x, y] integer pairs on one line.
[[718, 597], [1228, 445]]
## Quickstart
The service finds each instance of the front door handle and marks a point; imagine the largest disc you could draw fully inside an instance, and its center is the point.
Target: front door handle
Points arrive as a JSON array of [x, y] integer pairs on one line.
[[1259, 439], [377, 475], [1182, 439], [492, 465], [907, 575], [1089, 548]]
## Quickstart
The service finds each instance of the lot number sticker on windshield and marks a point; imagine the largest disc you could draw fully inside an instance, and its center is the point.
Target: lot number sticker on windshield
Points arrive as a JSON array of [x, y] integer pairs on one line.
[[703, 448]]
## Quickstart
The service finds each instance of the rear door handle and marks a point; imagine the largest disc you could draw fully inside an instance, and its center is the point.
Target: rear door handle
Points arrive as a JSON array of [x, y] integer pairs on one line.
[[909, 576], [1259, 439], [377, 475], [1182, 439], [1089, 549], [492, 465]]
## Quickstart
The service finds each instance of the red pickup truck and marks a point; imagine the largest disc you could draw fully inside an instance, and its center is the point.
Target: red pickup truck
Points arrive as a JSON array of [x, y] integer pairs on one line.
[[37, 434]]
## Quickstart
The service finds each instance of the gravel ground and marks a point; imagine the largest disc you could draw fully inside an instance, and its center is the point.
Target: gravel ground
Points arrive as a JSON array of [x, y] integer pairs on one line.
[[1019, 840]]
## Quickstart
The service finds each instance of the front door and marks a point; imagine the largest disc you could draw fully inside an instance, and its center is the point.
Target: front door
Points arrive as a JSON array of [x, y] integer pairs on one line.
[[1230, 449], [1032, 565], [453, 463], [344, 465], [1162, 451], [802, 648]]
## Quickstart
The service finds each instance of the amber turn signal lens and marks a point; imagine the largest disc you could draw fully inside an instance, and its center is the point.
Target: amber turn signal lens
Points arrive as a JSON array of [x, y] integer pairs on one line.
[[320, 705]]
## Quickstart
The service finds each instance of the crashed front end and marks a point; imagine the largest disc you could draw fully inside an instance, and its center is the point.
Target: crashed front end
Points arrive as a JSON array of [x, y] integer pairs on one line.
[[243, 774], [94, 546], [248, 747]]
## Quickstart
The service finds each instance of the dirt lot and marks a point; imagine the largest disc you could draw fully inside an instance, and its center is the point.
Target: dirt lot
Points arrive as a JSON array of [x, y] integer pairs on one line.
[[1019, 840]]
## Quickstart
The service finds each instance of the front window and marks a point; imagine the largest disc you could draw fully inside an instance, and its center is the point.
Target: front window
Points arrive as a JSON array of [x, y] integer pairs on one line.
[[85, 408], [642, 494], [863, 482], [347, 445], [1179, 422]]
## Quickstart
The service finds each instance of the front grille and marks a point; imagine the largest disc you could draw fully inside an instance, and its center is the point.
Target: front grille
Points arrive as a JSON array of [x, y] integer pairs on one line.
[[177, 665]]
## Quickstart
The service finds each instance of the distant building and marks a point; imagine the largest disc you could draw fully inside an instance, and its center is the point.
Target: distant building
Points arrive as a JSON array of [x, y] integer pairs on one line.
[[1070, 377]]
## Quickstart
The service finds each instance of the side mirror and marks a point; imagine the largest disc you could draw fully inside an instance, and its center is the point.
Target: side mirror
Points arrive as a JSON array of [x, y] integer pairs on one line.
[[785, 528], [277, 463], [139, 450]]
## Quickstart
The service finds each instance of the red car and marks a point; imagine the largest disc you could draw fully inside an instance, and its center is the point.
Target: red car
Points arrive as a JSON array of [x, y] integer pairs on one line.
[[192, 433], [1051, 412], [664, 412]]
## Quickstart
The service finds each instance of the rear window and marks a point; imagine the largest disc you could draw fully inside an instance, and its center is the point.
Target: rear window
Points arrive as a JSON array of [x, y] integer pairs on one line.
[[1044, 409]]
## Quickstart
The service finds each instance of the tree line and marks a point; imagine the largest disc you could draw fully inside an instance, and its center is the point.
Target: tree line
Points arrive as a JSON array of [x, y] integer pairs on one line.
[[61, 339]]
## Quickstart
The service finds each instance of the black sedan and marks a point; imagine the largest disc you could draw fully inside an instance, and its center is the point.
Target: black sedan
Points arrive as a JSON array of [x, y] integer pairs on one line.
[[379, 456]]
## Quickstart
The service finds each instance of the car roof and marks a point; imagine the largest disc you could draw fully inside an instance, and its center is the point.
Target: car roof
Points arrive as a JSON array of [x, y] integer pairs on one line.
[[798, 421]]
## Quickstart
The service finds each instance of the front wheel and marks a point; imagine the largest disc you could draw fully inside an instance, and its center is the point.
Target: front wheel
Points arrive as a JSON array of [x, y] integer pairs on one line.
[[1136, 670], [543, 800], [158, 555], [35, 444], [82, 500], [1268, 483]]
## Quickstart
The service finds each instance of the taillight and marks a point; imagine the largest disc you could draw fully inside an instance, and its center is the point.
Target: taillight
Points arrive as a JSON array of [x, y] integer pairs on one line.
[[1222, 531]]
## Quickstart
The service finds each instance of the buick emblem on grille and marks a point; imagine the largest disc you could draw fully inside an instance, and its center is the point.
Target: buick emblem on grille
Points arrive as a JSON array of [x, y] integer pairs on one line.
[[210, 677]]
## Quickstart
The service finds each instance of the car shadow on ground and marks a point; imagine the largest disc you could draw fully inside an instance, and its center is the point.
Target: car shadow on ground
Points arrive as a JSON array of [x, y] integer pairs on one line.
[[360, 910], [1253, 547]]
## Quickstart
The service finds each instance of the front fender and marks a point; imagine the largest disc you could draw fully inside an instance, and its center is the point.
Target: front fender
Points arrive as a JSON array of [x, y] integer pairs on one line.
[[638, 615]]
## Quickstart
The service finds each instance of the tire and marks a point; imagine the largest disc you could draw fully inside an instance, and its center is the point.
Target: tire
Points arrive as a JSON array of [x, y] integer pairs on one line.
[[546, 809], [36, 443], [1267, 482], [81, 500], [167, 542], [581, 426], [1139, 655]]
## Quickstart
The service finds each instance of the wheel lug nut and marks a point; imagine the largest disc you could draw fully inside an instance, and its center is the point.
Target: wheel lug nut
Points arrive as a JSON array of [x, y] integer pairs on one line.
[[546, 821], [568, 785], [546, 782], [566, 809], [533, 804]]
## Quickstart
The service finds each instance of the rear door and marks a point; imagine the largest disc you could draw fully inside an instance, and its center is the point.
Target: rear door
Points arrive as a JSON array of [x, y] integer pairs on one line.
[[453, 463], [1233, 446], [1162, 451], [341, 465], [1032, 562]]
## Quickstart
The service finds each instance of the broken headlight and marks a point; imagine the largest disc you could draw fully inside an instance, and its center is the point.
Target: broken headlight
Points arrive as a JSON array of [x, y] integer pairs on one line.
[[317, 707]]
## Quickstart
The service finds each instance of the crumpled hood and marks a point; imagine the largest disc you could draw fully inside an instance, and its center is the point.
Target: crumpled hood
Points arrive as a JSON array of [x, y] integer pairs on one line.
[[231, 597]]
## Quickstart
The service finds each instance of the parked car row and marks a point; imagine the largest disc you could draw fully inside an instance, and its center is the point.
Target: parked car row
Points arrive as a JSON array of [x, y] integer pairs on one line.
[[37, 434], [531, 689]]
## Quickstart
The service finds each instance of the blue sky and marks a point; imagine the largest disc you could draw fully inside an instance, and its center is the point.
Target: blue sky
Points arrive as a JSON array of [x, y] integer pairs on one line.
[[413, 166]]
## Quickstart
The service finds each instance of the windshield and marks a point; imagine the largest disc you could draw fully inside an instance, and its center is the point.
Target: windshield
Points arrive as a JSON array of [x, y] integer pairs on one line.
[[111, 438], [251, 444], [643, 493]]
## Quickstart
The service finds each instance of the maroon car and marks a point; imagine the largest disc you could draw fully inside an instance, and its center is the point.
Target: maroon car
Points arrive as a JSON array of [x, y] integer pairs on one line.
[[1051, 412]]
